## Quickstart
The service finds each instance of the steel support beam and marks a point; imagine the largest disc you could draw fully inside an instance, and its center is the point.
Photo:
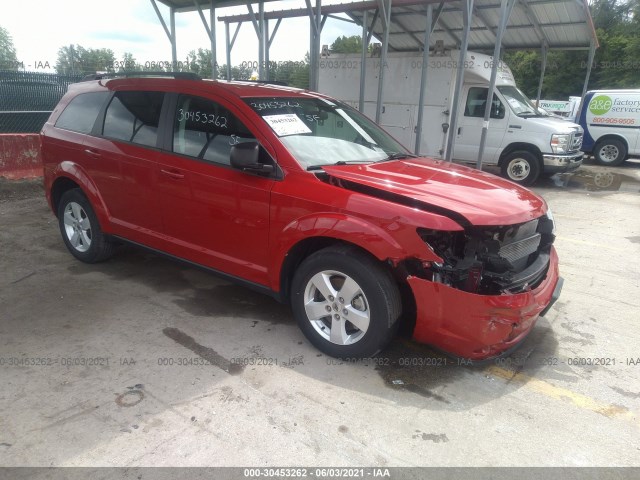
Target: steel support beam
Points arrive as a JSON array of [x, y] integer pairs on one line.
[[269, 37], [533, 19], [505, 13], [543, 68], [592, 54], [227, 45], [267, 43], [385, 10], [335, 17], [174, 51], [214, 53], [376, 13], [275, 30], [261, 42], [363, 59], [170, 31], [423, 78], [211, 33], [467, 10], [258, 25], [315, 30]]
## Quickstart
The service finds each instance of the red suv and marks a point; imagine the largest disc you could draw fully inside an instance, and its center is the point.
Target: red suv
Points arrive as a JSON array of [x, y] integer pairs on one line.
[[300, 196]]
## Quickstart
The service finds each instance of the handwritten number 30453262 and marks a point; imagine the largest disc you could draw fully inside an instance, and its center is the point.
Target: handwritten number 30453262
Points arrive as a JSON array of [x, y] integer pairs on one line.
[[202, 117]]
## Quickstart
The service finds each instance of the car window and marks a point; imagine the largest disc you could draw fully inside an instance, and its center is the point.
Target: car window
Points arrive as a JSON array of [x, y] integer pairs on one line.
[[206, 130], [476, 101], [133, 117], [319, 131], [82, 111]]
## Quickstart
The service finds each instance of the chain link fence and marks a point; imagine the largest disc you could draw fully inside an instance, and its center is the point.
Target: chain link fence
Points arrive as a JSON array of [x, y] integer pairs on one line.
[[28, 98]]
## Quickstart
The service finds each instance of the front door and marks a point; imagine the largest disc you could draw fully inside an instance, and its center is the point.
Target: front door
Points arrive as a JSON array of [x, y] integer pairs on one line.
[[470, 126], [213, 214]]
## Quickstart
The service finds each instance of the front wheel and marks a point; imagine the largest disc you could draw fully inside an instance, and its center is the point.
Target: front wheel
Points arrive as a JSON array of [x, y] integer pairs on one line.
[[521, 167], [610, 152], [80, 229], [346, 303]]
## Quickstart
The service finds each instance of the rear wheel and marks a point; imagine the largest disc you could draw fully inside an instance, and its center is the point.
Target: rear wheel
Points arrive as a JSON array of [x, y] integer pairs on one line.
[[610, 152], [80, 229], [346, 303], [521, 167]]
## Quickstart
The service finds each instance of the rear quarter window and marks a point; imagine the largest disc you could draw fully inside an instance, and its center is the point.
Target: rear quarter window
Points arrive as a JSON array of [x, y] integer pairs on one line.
[[81, 113]]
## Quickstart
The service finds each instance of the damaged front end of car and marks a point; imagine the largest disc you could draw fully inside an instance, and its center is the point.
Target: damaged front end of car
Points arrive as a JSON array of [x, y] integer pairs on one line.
[[489, 288], [492, 260]]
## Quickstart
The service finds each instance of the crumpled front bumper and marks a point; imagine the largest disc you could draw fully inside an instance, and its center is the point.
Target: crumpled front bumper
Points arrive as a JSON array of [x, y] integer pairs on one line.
[[475, 326]]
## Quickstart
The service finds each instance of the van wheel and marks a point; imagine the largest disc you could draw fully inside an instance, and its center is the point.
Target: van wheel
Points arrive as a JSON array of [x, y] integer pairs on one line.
[[80, 229], [345, 302], [610, 152], [521, 167]]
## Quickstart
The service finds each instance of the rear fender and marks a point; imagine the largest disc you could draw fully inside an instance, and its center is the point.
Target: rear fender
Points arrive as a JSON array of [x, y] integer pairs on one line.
[[74, 172]]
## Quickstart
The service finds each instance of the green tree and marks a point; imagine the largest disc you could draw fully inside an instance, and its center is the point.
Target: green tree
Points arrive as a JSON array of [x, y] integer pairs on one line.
[[8, 58], [346, 44], [616, 63], [128, 63], [77, 59]]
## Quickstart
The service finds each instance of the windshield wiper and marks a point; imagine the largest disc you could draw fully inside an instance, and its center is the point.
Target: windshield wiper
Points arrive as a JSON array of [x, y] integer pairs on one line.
[[339, 162], [530, 114], [397, 156]]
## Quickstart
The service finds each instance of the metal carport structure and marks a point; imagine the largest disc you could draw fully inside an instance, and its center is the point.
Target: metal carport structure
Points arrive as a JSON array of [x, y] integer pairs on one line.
[[409, 25]]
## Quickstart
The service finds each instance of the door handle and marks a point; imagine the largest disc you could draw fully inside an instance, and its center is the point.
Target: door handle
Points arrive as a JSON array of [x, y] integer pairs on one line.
[[459, 130], [173, 174], [92, 153]]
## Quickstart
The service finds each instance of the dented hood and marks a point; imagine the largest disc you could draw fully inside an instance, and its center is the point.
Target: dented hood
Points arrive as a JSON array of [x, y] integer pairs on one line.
[[481, 198]]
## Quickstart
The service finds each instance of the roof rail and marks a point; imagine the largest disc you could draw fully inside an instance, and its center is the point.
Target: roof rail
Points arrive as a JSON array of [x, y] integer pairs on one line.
[[269, 82], [176, 75]]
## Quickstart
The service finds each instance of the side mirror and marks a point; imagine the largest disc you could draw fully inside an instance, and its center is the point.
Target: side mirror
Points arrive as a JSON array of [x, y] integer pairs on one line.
[[244, 156]]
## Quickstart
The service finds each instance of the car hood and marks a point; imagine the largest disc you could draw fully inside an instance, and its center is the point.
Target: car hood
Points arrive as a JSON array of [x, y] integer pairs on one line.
[[445, 188], [550, 125]]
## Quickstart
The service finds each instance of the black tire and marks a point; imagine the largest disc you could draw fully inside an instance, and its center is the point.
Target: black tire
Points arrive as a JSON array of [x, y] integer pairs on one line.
[[98, 247], [521, 167], [610, 152], [380, 301]]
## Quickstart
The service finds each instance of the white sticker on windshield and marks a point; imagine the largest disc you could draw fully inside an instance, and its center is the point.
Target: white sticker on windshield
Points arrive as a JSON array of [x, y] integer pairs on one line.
[[286, 124]]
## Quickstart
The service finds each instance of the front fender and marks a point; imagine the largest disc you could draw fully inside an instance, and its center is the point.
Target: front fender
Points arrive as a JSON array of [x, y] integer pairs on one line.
[[76, 173], [375, 239]]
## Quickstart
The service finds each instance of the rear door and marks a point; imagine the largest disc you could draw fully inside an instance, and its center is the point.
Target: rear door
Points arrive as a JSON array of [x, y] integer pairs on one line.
[[128, 146], [213, 214]]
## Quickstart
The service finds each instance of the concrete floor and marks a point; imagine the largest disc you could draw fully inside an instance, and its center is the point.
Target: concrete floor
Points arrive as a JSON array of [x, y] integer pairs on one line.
[[137, 313]]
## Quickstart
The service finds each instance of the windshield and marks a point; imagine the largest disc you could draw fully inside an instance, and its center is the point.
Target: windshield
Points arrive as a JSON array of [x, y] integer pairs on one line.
[[321, 132], [518, 102]]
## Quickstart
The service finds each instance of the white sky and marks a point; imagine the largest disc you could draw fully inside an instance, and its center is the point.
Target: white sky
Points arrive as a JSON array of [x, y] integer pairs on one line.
[[40, 28]]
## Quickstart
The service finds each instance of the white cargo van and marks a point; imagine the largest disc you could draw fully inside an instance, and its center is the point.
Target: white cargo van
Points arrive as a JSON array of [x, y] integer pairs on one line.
[[611, 123], [520, 139]]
